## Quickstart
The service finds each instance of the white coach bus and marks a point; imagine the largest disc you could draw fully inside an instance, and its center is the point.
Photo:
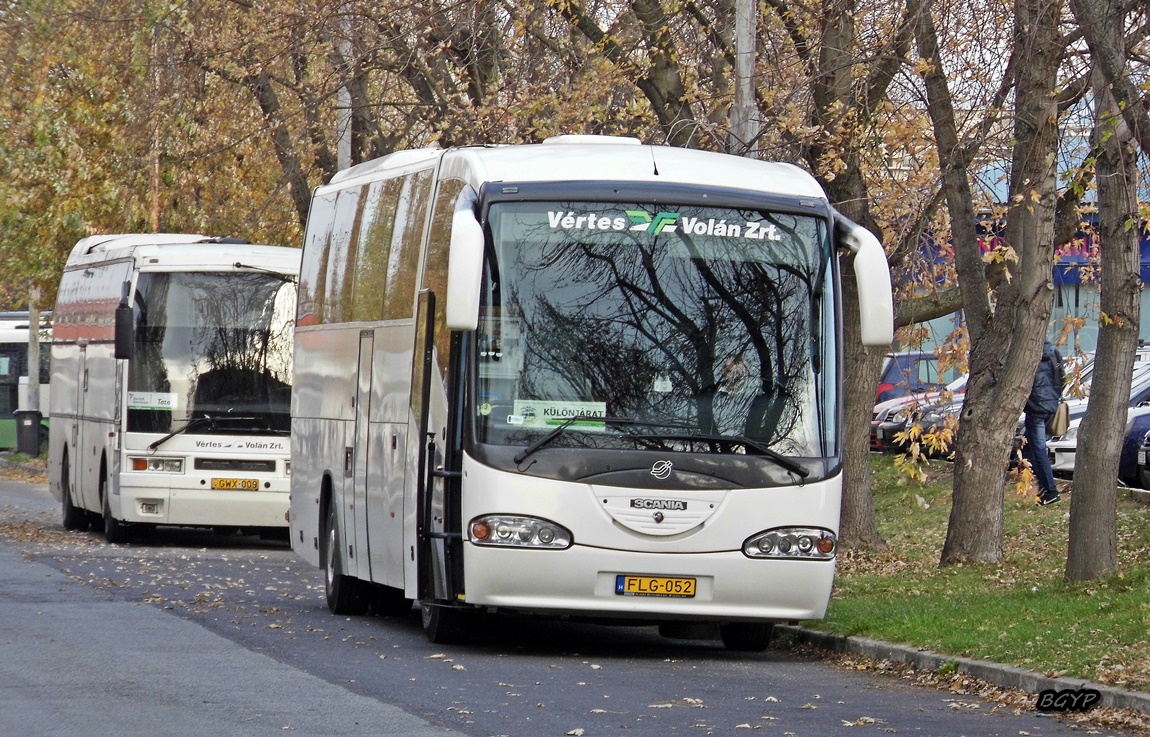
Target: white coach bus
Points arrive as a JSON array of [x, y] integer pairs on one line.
[[171, 384], [588, 378]]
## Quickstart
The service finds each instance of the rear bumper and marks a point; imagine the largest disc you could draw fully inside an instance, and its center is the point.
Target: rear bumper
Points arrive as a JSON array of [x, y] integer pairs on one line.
[[203, 507]]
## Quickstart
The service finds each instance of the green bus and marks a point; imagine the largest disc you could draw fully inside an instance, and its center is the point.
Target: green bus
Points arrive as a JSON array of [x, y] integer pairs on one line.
[[13, 377]]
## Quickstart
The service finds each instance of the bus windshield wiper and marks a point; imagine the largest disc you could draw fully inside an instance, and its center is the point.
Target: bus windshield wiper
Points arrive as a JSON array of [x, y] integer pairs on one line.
[[787, 463], [560, 429], [194, 422], [285, 278]]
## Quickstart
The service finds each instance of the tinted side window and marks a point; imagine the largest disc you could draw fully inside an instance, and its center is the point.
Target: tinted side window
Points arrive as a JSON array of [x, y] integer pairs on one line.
[[373, 253], [403, 259], [316, 255], [435, 265], [337, 305]]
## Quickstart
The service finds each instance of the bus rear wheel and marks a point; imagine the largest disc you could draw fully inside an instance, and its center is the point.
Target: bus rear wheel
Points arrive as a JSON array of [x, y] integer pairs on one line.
[[748, 637], [345, 594]]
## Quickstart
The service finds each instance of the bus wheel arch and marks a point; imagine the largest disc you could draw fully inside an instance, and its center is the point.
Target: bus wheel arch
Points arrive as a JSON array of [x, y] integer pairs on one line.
[[115, 531], [73, 517], [747, 637], [445, 624], [345, 594]]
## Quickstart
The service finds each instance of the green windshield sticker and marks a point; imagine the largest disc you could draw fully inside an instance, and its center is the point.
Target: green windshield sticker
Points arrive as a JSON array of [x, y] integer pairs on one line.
[[544, 413], [151, 400]]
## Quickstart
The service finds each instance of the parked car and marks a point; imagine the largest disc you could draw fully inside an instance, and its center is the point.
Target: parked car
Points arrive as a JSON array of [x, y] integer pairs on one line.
[[1142, 462], [911, 372], [896, 415], [1062, 448]]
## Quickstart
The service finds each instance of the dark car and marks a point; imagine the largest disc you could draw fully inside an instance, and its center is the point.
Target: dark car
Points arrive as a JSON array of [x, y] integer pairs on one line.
[[929, 410], [911, 372], [1132, 470], [1062, 449]]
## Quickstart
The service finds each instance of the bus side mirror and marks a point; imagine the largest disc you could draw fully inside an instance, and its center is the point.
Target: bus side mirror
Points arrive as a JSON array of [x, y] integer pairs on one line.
[[464, 271], [872, 274], [124, 330]]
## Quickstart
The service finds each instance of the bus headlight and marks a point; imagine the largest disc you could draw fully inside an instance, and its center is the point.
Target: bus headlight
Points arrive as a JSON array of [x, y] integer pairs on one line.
[[509, 531], [798, 543], [157, 465]]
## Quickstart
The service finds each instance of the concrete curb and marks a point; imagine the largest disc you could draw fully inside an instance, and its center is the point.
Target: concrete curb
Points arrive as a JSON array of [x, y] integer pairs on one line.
[[4, 462], [1000, 675]]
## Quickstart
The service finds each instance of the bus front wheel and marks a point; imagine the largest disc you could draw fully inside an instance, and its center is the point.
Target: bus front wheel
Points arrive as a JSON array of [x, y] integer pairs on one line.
[[115, 531], [345, 594], [444, 625], [748, 637], [74, 518]]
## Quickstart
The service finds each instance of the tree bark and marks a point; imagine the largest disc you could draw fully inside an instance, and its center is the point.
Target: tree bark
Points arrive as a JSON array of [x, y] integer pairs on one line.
[[832, 95], [858, 528], [1093, 548], [1006, 343], [261, 86], [1109, 55]]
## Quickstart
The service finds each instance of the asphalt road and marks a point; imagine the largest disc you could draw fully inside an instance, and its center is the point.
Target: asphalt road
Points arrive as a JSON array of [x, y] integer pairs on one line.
[[187, 632]]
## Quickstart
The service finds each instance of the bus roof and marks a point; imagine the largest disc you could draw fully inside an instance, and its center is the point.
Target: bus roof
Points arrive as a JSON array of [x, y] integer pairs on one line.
[[595, 158], [19, 320], [190, 252]]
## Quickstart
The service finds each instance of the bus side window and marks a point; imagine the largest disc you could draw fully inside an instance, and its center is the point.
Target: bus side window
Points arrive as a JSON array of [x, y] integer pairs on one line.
[[377, 221], [313, 272], [403, 263], [435, 263], [339, 303]]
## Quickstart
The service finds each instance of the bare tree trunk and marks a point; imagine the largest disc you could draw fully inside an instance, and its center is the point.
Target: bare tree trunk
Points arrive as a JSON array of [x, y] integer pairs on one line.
[[261, 86], [832, 94], [1093, 548], [1109, 54], [1006, 343], [857, 526]]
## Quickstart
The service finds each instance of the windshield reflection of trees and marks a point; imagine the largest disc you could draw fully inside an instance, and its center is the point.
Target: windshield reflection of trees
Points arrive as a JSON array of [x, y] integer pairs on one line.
[[221, 345], [714, 333]]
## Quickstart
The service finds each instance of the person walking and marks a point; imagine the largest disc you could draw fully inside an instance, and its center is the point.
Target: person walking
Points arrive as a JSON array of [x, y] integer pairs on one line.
[[1045, 393]]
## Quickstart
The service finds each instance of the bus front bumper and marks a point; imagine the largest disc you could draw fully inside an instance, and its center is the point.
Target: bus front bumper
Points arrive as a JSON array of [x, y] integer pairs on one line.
[[728, 586]]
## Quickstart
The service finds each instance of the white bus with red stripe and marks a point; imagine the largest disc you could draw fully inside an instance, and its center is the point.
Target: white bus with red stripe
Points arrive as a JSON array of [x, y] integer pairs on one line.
[[171, 384]]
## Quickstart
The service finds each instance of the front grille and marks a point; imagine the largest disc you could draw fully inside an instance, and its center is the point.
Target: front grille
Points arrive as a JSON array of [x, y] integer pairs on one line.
[[235, 464]]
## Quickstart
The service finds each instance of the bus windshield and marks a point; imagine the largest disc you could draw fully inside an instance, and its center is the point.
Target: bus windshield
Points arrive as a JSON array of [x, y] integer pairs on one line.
[[212, 353], [677, 324]]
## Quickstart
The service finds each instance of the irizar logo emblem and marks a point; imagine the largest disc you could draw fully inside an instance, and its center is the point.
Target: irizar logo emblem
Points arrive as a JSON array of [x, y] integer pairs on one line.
[[661, 470]]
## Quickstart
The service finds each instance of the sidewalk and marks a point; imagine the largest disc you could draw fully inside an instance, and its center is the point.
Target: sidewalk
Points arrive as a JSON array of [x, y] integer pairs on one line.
[[74, 662]]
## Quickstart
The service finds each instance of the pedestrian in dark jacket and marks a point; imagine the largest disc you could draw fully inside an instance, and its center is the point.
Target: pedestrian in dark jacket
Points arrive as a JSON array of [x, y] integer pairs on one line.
[[1045, 394]]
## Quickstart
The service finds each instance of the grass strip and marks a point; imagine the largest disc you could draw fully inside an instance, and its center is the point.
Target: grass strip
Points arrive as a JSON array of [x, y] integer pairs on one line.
[[1020, 612]]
